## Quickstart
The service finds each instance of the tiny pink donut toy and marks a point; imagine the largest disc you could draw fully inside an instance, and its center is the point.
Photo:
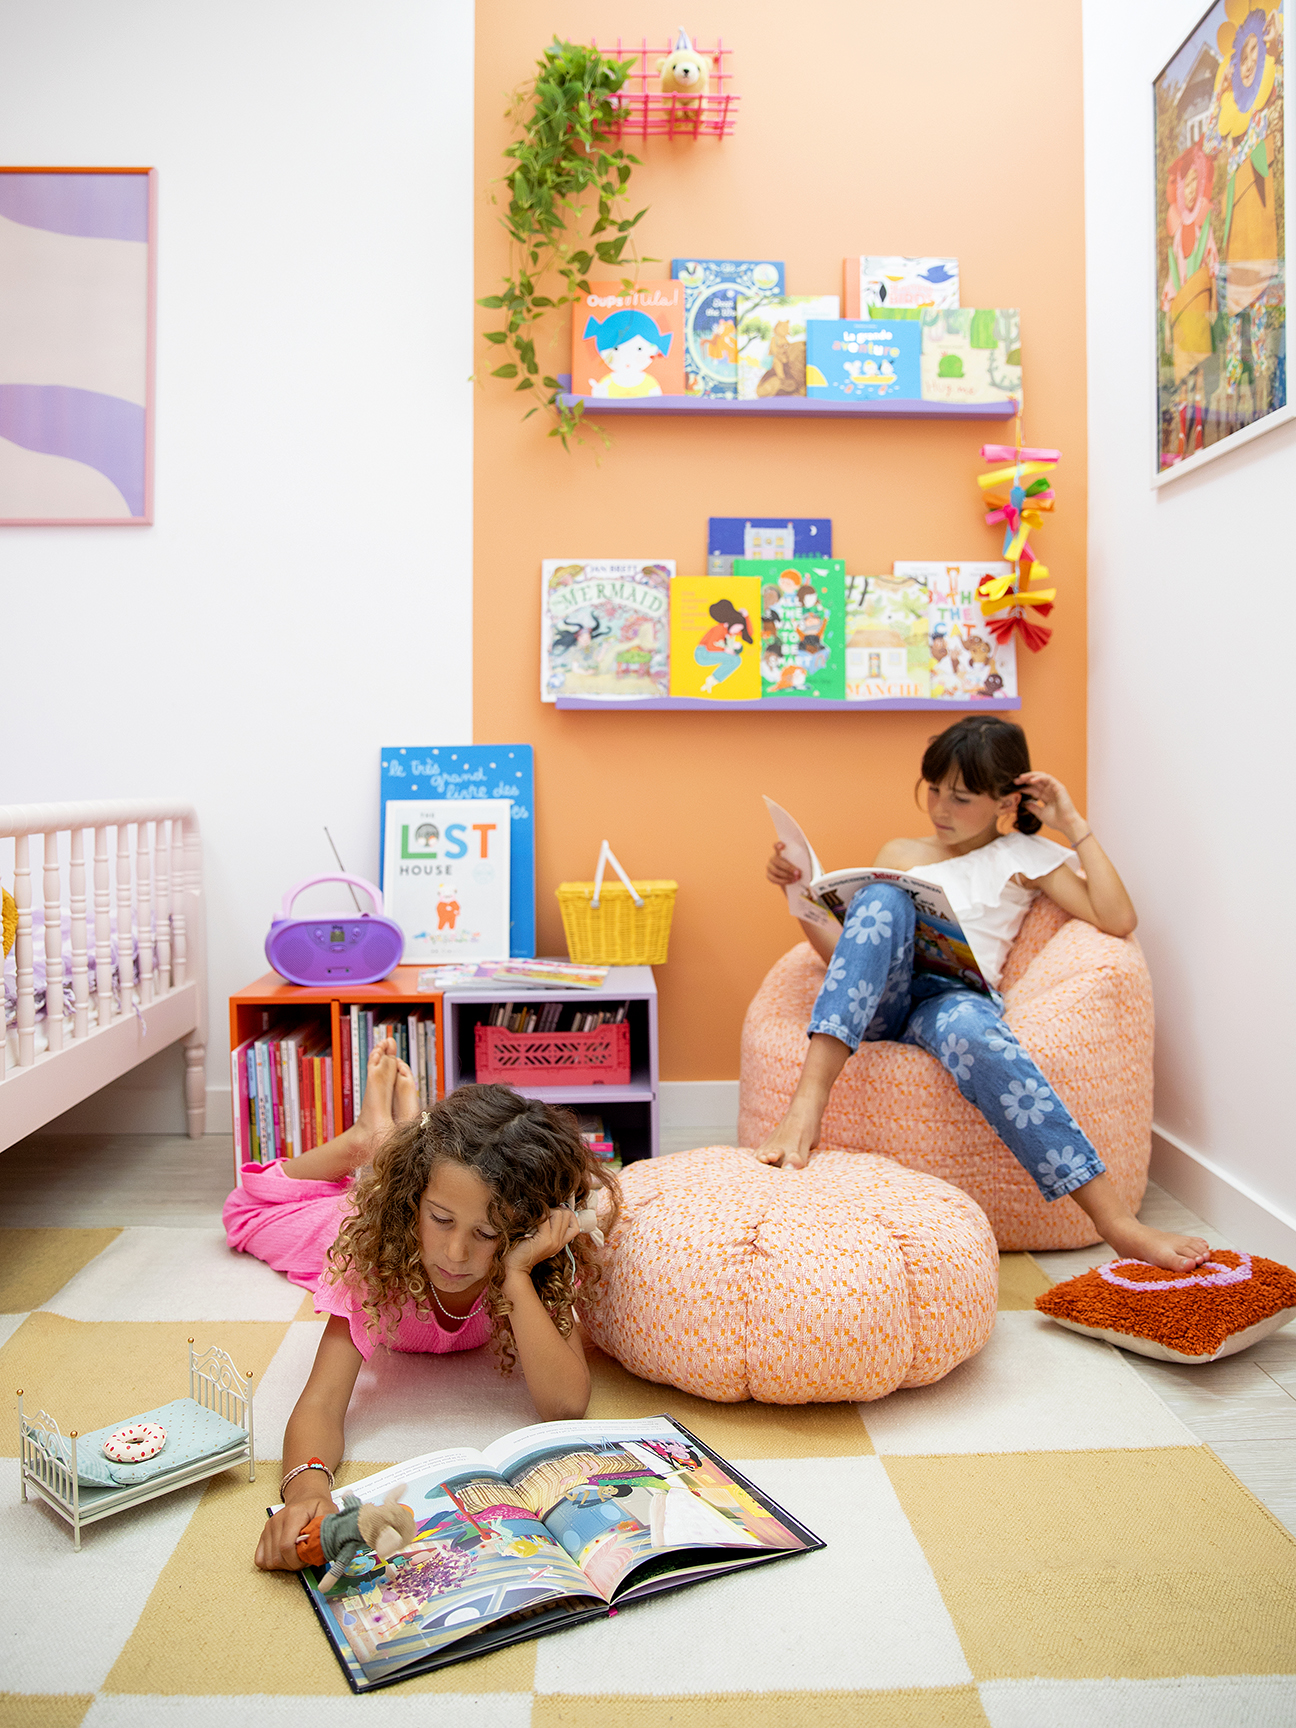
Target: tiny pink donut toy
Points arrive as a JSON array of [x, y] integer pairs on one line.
[[136, 1442]]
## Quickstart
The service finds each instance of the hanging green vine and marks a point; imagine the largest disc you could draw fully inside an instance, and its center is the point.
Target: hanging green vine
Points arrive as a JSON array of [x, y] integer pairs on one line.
[[563, 156]]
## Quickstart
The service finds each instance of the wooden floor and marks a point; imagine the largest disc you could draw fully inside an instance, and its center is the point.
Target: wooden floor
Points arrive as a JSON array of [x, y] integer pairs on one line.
[[1244, 1408]]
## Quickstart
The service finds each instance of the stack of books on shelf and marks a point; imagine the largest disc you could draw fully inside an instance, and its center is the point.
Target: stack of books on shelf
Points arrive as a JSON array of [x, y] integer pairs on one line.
[[548, 1016], [414, 1035], [600, 1142]]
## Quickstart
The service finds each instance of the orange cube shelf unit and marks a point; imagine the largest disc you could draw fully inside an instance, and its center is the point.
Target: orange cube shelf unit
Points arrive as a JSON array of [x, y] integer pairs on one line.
[[271, 1001]]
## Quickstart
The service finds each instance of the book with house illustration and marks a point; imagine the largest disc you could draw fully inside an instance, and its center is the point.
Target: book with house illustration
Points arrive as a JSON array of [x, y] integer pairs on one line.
[[730, 537], [823, 897], [446, 876], [887, 629], [972, 355], [711, 290], [772, 341], [715, 637], [550, 1526], [964, 656], [864, 359], [803, 625], [604, 628], [628, 344], [897, 283]]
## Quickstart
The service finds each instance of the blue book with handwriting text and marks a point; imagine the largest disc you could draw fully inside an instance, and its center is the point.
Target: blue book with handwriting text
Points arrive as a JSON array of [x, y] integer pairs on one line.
[[476, 771], [864, 359]]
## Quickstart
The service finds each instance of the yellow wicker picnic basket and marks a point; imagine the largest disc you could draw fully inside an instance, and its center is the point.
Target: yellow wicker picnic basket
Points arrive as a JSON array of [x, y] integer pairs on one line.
[[624, 924]]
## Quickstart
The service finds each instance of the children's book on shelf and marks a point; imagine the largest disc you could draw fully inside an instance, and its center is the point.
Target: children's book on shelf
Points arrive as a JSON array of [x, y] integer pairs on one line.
[[887, 653], [283, 1093], [550, 1526], [772, 341], [823, 898], [863, 360], [628, 344], [593, 1131], [555, 1016], [446, 877], [414, 1033], [475, 771], [715, 637], [803, 625], [964, 657], [711, 290], [894, 282], [730, 537], [972, 356], [604, 628]]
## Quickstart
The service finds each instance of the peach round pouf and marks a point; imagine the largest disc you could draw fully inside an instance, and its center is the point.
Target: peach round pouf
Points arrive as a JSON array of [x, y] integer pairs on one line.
[[733, 1280]]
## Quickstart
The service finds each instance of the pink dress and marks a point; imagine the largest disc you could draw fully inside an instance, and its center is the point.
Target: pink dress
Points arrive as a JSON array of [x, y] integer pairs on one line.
[[292, 1225]]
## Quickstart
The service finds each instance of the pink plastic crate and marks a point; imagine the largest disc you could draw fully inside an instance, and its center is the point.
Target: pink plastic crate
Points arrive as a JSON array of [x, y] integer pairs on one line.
[[599, 1058]]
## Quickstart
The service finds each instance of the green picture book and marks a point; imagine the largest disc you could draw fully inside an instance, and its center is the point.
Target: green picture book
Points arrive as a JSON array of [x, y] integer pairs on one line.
[[803, 625]]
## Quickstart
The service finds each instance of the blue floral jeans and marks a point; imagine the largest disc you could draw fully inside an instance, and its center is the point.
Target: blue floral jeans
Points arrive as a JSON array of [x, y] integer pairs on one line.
[[872, 993]]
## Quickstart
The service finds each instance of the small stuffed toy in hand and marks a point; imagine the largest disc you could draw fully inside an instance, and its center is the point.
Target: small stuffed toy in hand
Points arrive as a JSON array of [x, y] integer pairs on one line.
[[339, 1536], [684, 72]]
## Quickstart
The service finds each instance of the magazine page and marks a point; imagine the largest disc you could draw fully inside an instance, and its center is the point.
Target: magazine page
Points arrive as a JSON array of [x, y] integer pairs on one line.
[[798, 851], [621, 1495], [940, 944], [478, 1557]]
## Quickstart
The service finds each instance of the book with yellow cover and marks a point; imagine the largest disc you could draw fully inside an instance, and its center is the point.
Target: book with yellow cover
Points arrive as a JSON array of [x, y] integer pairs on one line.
[[715, 637]]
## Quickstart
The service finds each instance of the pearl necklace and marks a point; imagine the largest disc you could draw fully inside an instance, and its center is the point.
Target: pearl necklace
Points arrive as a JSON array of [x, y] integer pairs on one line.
[[472, 1313]]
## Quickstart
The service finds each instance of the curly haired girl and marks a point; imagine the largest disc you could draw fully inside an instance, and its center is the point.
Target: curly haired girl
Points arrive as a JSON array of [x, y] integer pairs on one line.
[[463, 1228]]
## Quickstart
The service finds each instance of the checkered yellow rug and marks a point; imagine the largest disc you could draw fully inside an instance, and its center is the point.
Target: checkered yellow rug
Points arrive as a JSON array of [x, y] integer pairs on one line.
[[1035, 1542]]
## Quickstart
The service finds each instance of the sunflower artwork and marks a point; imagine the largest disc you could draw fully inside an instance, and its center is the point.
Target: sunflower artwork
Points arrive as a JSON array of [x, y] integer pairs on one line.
[[1221, 231]]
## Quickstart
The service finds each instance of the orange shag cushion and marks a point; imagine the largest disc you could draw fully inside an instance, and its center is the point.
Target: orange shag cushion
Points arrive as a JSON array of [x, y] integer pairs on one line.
[[1229, 1302], [843, 1281]]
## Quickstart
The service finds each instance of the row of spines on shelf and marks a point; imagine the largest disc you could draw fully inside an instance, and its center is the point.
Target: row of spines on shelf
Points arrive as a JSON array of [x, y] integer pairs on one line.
[[546, 1017], [283, 1079]]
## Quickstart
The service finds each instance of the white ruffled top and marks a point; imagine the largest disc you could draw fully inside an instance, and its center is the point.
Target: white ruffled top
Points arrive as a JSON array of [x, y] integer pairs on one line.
[[987, 902]]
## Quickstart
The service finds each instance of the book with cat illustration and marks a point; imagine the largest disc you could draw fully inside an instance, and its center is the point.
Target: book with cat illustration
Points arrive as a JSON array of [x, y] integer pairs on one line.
[[550, 1526], [772, 341], [823, 897]]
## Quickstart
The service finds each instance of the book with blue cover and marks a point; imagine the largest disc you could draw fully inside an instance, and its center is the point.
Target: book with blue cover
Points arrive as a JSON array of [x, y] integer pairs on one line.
[[442, 771], [864, 359], [730, 537], [711, 290]]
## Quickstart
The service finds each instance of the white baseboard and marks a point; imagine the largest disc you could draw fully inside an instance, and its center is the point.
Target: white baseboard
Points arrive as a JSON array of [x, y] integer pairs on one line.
[[1222, 1200], [697, 1103]]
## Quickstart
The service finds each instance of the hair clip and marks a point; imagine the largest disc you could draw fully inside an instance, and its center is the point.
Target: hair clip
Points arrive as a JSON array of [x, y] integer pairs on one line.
[[424, 1119]]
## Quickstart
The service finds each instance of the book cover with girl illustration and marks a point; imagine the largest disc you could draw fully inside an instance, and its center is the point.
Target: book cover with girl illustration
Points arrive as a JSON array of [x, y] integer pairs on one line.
[[628, 344], [803, 625], [711, 290], [715, 635], [604, 628]]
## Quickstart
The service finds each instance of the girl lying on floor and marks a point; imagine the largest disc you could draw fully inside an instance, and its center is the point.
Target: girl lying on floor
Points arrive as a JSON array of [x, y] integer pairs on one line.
[[978, 777], [460, 1228]]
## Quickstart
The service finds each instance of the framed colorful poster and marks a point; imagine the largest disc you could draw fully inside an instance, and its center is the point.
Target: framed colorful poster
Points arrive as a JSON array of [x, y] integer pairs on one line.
[[1221, 236], [77, 292]]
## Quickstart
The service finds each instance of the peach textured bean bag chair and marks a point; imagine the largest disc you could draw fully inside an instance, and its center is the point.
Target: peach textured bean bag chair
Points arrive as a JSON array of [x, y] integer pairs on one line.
[[843, 1281], [1080, 1002]]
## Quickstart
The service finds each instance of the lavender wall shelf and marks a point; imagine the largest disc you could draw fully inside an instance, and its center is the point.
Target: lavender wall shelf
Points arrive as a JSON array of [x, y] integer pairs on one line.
[[772, 407], [801, 704]]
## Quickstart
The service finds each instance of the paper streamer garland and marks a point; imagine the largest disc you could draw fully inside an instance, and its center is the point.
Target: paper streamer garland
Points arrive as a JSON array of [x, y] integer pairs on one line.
[[1020, 496]]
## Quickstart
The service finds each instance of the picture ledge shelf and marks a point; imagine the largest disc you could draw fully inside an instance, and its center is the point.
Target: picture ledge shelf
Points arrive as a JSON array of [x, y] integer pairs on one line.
[[807, 407], [800, 704]]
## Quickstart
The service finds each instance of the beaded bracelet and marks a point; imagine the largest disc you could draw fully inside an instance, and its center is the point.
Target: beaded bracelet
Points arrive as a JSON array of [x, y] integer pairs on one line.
[[310, 1464]]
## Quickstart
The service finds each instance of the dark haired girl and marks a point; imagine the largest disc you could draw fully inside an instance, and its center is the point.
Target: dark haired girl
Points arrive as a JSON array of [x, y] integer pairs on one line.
[[463, 1228], [986, 807], [721, 648]]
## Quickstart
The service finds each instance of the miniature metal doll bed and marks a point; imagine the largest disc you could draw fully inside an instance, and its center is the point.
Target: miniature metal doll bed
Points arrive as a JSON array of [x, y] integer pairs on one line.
[[95, 986], [206, 1433]]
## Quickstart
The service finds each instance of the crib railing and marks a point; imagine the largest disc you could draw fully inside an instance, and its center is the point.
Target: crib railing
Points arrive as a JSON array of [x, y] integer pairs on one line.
[[156, 888]]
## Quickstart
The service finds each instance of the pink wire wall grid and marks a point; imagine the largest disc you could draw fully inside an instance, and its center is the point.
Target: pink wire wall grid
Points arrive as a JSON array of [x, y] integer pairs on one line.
[[646, 112]]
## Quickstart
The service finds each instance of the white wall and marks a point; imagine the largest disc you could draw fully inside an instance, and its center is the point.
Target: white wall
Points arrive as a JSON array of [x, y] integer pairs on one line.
[[1191, 766], [305, 593]]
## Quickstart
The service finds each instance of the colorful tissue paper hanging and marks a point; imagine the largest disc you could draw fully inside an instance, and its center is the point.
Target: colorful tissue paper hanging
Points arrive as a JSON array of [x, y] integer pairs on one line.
[[1020, 496]]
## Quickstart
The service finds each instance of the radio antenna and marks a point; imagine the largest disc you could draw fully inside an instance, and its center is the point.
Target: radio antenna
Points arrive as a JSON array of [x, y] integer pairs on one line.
[[341, 866]]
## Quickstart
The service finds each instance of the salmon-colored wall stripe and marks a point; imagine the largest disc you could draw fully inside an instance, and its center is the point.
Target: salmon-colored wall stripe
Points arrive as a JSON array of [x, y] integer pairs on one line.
[[942, 129]]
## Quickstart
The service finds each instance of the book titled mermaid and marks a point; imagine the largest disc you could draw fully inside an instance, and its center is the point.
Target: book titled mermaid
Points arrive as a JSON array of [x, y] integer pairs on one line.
[[628, 344], [803, 625], [604, 628], [711, 290]]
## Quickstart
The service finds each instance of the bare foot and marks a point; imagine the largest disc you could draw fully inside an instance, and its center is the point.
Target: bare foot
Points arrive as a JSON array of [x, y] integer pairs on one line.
[[405, 1098], [1135, 1241], [375, 1118], [791, 1143]]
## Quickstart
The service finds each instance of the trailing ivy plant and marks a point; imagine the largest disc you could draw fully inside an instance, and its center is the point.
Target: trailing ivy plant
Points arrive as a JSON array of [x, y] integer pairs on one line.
[[564, 160]]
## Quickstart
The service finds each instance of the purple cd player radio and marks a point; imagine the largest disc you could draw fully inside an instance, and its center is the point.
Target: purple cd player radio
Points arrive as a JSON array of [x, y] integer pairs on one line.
[[357, 949]]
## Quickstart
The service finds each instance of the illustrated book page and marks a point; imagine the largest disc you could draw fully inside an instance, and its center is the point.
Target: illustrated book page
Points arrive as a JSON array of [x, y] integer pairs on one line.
[[891, 282], [446, 877], [965, 657], [972, 355], [803, 625], [772, 341], [715, 637], [887, 648], [604, 628], [628, 345], [730, 537], [863, 360], [711, 290]]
